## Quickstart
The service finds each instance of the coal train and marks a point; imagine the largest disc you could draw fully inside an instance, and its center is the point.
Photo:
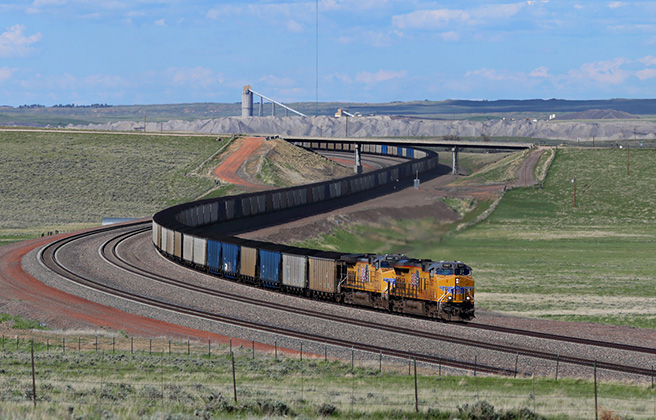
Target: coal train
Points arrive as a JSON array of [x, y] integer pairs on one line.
[[396, 283]]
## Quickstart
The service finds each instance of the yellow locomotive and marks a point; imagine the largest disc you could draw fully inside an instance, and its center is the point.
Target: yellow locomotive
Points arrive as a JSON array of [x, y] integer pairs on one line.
[[397, 283]]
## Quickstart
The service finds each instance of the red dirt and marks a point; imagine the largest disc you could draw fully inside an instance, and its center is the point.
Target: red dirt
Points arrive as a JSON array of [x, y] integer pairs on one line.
[[21, 294], [227, 170]]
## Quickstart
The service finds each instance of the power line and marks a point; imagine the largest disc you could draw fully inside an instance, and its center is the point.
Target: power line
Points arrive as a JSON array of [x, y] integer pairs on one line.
[[316, 100]]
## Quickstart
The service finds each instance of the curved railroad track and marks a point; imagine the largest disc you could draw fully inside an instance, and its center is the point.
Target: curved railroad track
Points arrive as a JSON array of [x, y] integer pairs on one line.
[[110, 252], [49, 257]]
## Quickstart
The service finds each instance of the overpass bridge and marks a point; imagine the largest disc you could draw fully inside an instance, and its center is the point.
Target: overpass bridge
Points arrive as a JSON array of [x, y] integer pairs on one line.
[[359, 144]]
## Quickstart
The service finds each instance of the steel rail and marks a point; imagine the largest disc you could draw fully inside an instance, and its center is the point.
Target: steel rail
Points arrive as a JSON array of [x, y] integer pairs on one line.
[[48, 256], [116, 241]]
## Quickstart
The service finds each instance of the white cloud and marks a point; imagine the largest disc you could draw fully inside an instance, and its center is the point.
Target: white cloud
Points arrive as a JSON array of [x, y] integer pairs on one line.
[[14, 43], [649, 60], [440, 18], [634, 28], [194, 77], [429, 19], [616, 4], [450, 36], [650, 72], [496, 75], [224, 12], [106, 81], [540, 72], [646, 74], [293, 26], [604, 72], [160, 22], [497, 11], [380, 76], [6, 73], [47, 3], [278, 82]]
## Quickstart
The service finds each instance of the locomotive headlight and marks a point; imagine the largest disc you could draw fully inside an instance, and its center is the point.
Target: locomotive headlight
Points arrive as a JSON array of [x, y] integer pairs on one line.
[[457, 280], [450, 298]]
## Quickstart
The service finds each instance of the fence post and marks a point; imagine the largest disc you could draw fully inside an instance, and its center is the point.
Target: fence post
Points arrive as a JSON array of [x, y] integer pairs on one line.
[[113, 345], [516, 362], [169, 347], [234, 380], [595, 390], [63, 344], [440, 367], [33, 376], [352, 359], [275, 351], [131, 345], [325, 352], [150, 346], [188, 347], [301, 352], [253, 347], [79, 344], [416, 392], [96, 344], [209, 347], [380, 362], [17, 341], [475, 364]]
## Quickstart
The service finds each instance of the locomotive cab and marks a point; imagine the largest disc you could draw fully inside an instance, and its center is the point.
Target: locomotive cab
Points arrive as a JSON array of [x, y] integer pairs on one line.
[[453, 285]]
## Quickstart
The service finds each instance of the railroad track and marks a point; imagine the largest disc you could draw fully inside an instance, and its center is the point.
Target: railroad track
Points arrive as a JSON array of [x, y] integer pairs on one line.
[[110, 252], [49, 257]]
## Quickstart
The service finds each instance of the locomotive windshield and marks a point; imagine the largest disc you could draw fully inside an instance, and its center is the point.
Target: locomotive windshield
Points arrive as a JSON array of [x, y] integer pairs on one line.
[[444, 271], [463, 271]]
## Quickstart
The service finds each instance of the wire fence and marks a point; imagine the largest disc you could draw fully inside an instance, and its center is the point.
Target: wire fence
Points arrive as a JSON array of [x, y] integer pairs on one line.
[[131, 377]]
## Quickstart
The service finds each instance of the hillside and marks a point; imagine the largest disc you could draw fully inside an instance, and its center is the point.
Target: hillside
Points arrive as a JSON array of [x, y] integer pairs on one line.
[[66, 181], [35, 115], [612, 130], [597, 114]]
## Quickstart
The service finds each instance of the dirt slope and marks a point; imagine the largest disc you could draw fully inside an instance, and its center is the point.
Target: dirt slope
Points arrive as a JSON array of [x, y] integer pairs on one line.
[[256, 163]]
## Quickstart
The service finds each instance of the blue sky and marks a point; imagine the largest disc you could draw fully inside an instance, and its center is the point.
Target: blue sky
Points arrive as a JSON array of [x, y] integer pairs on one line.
[[174, 51]]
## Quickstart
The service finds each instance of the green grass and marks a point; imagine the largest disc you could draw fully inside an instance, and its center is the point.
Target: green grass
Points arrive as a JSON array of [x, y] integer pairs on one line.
[[20, 323], [52, 180], [539, 256], [148, 381]]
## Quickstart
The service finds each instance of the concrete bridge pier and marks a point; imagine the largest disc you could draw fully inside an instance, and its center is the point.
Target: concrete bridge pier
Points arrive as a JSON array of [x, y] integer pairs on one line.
[[358, 159], [454, 170]]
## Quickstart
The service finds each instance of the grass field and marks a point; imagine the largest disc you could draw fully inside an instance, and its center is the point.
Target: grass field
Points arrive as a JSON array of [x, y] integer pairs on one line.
[[63, 181], [114, 376], [538, 255]]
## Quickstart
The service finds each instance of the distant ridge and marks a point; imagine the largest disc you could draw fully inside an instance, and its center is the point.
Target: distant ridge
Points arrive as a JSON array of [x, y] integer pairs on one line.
[[598, 114]]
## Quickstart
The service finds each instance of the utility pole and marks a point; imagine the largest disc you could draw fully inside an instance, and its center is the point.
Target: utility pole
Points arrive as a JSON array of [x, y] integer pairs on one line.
[[574, 182]]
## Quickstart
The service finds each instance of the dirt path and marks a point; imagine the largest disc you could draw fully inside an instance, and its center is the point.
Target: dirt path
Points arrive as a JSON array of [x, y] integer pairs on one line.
[[525, 175], [23, 295], [227, 170]]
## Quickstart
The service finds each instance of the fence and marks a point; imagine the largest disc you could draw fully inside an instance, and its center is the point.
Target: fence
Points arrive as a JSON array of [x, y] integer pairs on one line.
[[135, 376]]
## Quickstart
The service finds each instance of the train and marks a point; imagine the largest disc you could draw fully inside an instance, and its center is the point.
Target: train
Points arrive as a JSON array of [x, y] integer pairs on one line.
[[442, 290]]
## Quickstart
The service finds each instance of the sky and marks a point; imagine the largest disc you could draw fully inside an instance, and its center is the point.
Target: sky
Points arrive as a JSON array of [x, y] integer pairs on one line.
[[124, 52]]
